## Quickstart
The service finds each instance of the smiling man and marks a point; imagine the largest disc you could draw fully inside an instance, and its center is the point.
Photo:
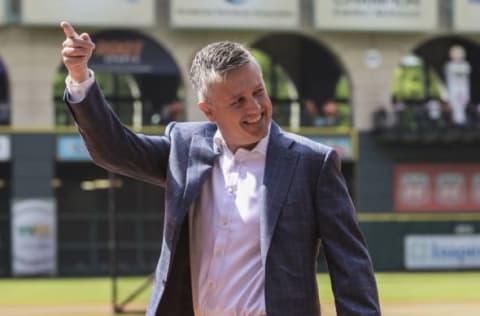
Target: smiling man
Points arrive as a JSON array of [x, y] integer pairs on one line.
[[233, 96], [246, 204]]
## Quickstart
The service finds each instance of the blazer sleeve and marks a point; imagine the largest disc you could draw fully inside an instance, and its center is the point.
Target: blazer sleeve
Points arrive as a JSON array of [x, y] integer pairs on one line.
[[113, 146], [346, 254]]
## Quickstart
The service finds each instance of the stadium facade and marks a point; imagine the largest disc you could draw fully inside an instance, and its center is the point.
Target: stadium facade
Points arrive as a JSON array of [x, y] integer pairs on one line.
[[367, 77]]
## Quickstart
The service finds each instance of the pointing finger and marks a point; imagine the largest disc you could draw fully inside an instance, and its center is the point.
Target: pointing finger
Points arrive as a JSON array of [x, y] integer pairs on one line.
[[68, 29]]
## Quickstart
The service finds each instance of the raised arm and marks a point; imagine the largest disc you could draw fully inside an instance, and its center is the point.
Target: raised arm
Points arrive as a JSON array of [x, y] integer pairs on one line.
[[111, 145]]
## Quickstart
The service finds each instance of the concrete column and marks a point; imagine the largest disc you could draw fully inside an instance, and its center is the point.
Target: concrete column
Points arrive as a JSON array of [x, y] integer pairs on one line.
[[32, 57]]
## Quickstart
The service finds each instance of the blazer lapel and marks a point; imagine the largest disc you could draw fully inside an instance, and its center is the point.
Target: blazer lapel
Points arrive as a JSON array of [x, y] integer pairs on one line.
[[201, 158], [280, 167]]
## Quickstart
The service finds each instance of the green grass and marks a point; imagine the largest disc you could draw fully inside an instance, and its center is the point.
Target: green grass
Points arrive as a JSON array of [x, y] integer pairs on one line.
[[393, 287], [66, 290], [419, 287], [429, 287]]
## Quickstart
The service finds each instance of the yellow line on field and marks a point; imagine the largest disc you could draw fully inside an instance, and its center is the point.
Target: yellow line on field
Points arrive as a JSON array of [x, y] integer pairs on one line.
[[422, 217]]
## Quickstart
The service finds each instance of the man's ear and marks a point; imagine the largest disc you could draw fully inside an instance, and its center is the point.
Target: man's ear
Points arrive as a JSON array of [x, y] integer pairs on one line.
[[207, 110]]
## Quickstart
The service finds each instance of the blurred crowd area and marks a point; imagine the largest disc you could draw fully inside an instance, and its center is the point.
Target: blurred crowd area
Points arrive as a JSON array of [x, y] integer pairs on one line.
[[427, 100], [425, 116]]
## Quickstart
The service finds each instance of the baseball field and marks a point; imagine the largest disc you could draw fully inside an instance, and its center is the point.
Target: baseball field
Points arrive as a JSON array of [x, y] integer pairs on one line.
[[412, 294]]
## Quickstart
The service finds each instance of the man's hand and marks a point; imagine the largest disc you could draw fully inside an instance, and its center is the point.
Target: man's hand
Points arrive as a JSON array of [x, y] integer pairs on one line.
[[77, 50]]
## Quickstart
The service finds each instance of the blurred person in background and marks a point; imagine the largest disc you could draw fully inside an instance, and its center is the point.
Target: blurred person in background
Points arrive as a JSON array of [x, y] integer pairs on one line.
[[246, 204], [457, 74]]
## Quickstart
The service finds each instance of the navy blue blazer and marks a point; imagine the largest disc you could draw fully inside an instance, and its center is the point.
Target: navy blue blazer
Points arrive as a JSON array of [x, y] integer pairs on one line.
[[306, 204]]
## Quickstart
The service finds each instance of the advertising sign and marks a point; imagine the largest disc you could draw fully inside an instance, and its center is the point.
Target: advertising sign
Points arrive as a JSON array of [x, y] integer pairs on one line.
[[341, 143], [71, 148], [5, 150], [415, 188], [34, 237], [89, 12], [437, 187], [442, 251], [386, 15], [239, 14], [465, 15], [130, 52], [3, 13]]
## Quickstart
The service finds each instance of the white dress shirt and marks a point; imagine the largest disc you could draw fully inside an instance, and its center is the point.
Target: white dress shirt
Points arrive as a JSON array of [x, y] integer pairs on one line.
[[78, 90], [226, 265]]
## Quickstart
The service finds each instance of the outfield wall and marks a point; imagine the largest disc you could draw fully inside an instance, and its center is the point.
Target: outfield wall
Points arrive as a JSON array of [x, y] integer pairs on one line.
[[387, 231]]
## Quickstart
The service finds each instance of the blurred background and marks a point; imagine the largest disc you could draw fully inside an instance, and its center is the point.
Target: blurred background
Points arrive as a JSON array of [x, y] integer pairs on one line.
[[392, 85]]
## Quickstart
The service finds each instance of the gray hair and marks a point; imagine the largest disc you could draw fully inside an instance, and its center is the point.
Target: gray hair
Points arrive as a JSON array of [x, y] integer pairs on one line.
[[213, 62]]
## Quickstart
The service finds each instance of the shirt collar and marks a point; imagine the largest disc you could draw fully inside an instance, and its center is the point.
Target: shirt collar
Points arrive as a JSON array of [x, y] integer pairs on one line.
[[219, 144]]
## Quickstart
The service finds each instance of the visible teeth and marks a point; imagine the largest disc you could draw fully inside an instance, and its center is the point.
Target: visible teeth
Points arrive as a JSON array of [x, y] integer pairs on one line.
[[254, 121]]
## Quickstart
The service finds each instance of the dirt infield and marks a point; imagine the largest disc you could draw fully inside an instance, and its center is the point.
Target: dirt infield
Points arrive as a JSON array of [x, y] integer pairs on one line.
[[52, 310], [431, 309], [389, 309]]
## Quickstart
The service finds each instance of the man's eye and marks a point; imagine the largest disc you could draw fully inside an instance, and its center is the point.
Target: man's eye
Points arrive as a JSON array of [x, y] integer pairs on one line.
[[237, 103]]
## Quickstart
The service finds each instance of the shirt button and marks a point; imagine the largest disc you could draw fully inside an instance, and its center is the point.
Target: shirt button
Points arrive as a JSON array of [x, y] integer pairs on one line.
[[230, 189]]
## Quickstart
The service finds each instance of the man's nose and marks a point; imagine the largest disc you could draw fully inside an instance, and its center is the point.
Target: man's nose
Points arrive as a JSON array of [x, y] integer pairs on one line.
[[253, 106]]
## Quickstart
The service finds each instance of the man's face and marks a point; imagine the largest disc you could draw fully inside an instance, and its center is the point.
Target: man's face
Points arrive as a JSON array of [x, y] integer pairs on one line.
[[240, 107]]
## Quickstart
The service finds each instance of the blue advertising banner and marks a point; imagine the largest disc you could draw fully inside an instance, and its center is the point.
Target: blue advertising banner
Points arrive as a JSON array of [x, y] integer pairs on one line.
[[442, 252], [71, 148], [341, 143]]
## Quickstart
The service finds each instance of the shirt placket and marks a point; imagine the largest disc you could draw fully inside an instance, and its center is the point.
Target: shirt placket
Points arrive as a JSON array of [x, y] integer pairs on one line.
[[224, 206]]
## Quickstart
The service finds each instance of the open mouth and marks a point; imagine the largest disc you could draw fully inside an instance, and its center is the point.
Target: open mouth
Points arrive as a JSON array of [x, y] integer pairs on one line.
[[254, 120]]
